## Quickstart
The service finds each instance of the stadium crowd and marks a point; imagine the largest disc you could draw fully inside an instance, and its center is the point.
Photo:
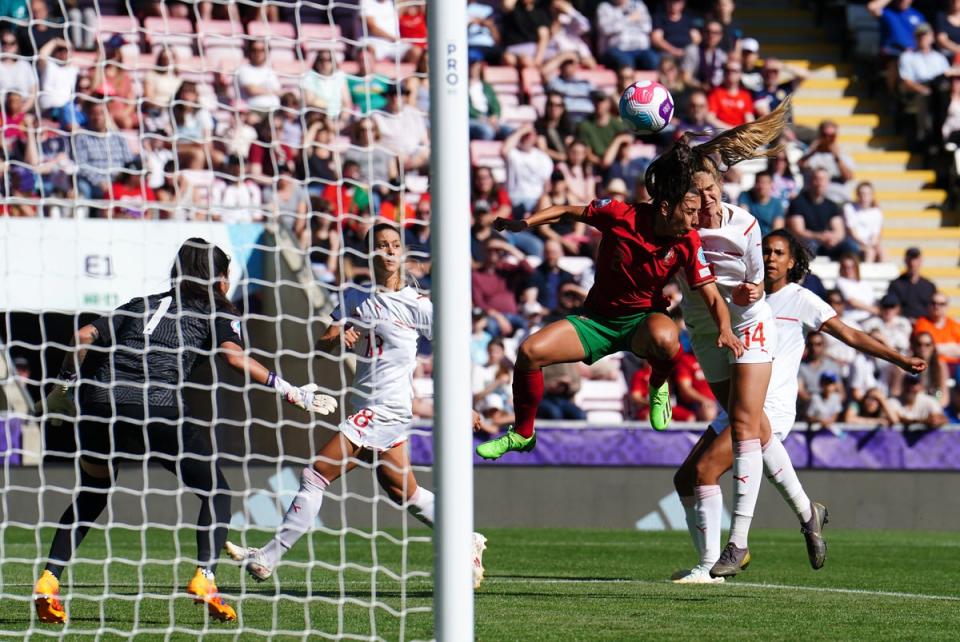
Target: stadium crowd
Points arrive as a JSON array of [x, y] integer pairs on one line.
[[317, 119]]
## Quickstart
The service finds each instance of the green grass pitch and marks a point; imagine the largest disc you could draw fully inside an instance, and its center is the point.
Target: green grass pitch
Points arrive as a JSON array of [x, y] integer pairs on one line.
[[541, 585]]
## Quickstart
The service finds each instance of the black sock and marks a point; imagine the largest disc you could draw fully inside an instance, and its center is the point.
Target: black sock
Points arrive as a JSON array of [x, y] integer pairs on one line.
[[86, 507]]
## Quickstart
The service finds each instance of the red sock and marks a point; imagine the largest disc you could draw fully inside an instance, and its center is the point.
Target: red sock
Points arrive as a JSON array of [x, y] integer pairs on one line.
[[662, 369], [527, 394]]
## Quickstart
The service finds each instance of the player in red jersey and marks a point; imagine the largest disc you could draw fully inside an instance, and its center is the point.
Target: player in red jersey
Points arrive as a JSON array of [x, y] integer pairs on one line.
[[642, 246]]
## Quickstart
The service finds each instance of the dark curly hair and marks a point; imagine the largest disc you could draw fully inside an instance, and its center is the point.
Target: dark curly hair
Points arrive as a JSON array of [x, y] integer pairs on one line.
[[670, 176], [798, 252]]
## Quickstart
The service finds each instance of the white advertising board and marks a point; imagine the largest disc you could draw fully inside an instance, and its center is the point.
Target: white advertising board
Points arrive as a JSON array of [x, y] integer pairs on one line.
[[95, 265]]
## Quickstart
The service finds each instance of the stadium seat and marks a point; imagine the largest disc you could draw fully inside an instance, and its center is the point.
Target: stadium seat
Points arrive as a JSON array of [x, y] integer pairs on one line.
[[504, 80], [531, 82], [314, 37], [603, 79], [486, 153], [518, 115], [219, 27], [175, 33], [395, 70], [272, 30], [602, 400]]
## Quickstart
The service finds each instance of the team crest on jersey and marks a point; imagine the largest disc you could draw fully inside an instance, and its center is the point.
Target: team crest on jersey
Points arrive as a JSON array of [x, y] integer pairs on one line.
[[669, 257], [235, 326], [600, 203], [701, 257]]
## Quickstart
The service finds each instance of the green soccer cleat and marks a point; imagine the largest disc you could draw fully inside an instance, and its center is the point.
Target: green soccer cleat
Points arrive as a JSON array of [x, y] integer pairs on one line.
[[507, 442], [661, 412]]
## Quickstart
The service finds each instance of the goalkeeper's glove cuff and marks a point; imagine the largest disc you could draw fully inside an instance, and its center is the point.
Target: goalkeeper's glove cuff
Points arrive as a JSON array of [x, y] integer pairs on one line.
[[278, 384]]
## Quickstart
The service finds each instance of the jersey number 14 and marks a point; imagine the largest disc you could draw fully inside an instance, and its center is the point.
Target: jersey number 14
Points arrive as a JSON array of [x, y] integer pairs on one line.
[[753, 336]]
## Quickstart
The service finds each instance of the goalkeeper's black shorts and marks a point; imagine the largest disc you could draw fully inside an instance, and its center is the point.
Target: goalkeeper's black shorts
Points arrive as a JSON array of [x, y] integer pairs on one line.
[[133, 432]]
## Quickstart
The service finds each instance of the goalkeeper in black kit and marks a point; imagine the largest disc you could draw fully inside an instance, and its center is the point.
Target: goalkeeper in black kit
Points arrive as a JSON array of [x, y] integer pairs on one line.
[[135, 362]]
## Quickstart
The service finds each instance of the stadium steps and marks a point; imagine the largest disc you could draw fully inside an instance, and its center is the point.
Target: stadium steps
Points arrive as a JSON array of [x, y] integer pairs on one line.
[[912, 214]]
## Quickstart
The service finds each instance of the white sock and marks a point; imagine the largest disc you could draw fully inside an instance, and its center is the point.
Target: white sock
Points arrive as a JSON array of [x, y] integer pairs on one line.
[[300, 515], [780, 472], [709, 510], [420, 505], [690, 509], [747, 468]]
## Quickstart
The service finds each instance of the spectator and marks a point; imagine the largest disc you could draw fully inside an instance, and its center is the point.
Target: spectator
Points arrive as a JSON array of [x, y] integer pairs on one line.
[[924, 74], [526, 29], [694, 396], [99, 152], [42, 29], [915, 407], [952, 409], [730, 104], [817, 220], [617, 190], [548, 278], [576, 92], [479, 338], [492, 394], [860, 297], [825, 154], [412, 25], [319, 156], [487, 195], [784, 184], [382, 22], [235, 198], [873, 410], [325, 87], [935, 379], [21, 185], [378, 167], [484, 105], [950, 132], [696, 116], [898, 21], [624, 28], [131, 193], [348, 196], [483, 35], [944, 330], [289, 204], [912, 290], [639, 392], [705, 65], [269, 155], [815, 364], [948, 29], [325, 242], [895, 329], [496, 285], [528, 169], [561, 383], [418, 85], [599, 130], [761, 202], [192, 128], [257, 84], [416, 236], [16, 73], [826, 403], [578, 173], [568, 28], [674, 29], [774, 89], [622, 163], [555, 129], [403, 131], [396, 206], [732, 32], [58, 78], [752, 77], [670, 76], [572, 235], [864, 222], [368, 90]]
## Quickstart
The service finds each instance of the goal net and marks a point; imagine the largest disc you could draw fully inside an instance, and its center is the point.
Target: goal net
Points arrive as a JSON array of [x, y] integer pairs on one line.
[[280, 131]]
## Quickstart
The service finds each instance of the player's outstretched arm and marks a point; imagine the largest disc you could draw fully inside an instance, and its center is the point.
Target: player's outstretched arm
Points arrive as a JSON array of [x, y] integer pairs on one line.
[[60, 400], [303, 397], [721, 316], [866, 344], [545, 216]]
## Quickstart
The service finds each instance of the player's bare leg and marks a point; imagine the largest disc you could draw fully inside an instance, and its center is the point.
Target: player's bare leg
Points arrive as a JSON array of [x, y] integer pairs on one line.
[[748, 390], [337, 457], [556, 343], [658, 341]]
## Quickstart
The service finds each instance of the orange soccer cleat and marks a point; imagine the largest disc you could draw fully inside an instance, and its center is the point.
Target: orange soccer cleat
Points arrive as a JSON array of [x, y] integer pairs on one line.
[[46, 598], [205, 591]]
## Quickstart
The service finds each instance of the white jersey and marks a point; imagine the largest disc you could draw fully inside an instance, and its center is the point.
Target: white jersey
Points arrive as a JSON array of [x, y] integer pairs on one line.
[[733, 251], [389, 323], [798, 312]]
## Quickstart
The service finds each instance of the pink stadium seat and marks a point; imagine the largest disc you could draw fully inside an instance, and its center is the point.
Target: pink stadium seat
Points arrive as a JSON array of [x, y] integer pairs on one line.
[[394, 70], [169, 30], [219, 27], [314, 37], [486, 153], [641, 150], [502, 79], [272, 30], [282, 55], [603, 79], [220, 41], [531, 82], [539, 102], [518, 115], [223, 58]]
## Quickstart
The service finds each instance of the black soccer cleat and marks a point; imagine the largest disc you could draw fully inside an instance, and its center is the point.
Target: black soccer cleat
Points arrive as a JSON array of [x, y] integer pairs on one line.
[[813, 533], [732, 561]]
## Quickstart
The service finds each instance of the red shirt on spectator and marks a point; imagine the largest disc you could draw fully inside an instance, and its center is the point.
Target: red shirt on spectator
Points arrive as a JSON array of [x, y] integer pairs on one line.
[[413, 25], [688, 369], [494, 202], [730, 108], [640, 387], [391, 212], [633, 264], [137, 195]]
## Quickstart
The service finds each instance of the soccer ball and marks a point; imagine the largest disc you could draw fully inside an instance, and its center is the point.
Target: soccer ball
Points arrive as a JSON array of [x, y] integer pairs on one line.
[[647, 106]]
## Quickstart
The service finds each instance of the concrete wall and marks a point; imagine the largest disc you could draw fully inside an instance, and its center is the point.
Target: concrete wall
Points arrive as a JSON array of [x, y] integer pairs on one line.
[[541, 497]]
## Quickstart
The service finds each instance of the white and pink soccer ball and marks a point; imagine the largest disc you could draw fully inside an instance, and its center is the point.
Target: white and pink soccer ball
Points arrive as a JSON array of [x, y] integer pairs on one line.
[[647, 106]]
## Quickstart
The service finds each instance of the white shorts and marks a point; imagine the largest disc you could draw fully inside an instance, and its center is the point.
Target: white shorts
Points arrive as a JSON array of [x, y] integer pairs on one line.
[[781, 422], [759, 339], [363, 430]]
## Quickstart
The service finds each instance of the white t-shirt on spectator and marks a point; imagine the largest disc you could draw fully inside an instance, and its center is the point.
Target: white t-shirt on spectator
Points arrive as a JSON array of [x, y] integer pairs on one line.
[[527, 173], [858, 291], [384, 14], [329, 89], [896, 333], [617, 28], [57, 84], [921, 67], [403, 132], [236, 202], [19, 77], [923, 408], [263, 77], [866, 223]]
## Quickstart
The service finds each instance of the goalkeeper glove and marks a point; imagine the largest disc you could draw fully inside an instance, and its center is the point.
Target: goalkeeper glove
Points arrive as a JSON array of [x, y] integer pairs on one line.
[[303, 397], [60, 401]]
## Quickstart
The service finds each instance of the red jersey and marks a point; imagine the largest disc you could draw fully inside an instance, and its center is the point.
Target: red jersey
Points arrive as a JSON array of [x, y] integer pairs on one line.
[[633, 265], [731, 109], [688, 369]]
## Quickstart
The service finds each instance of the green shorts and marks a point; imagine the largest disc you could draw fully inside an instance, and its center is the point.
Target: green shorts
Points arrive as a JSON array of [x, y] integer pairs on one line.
[[601, 336]]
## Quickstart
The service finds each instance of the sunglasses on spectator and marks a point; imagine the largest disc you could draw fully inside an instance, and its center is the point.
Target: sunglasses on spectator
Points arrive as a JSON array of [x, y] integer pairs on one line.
[[715, 32], [556, 103], [938, 304], [924, 344], [815, 342], [9, 43]]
